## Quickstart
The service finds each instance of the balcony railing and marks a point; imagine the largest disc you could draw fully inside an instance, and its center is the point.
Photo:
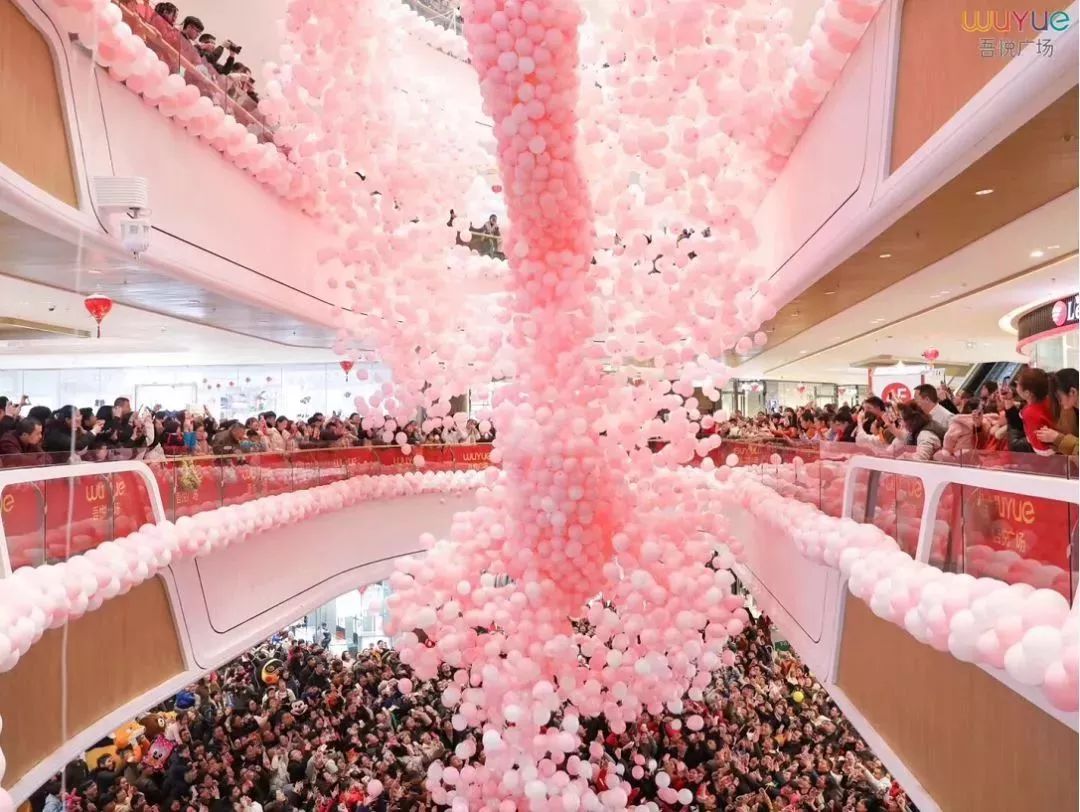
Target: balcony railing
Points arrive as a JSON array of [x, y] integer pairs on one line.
[[50, 519], [183, 59], [1016, 537]]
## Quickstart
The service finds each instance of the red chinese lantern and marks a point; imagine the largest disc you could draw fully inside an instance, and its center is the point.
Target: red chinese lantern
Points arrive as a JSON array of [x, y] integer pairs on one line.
[[801, 389], [931, 355], [496, 188], [98, 306], [347, 367]]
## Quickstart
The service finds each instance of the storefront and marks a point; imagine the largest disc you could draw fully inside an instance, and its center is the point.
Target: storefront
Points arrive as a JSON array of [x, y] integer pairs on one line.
[[1048, 334]]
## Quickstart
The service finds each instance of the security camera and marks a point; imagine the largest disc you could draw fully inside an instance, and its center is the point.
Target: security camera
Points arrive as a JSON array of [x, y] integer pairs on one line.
[[52, 307], [135, 231]]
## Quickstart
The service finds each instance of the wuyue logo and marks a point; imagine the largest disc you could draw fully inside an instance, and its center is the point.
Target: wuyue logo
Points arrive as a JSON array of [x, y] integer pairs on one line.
[[1014, 22]]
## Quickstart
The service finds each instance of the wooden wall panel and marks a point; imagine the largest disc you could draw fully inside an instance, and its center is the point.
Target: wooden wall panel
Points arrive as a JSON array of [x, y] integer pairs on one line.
[[115, 654], [972, 742], [941, 66], [33, 136]]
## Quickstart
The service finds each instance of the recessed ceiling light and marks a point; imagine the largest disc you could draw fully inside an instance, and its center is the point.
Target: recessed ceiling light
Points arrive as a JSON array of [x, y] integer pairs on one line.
[[830, 292], [94, 273], [984, 192], [1037, 253], [1052, 247], [802, 352], [877, 321], [884, 256]]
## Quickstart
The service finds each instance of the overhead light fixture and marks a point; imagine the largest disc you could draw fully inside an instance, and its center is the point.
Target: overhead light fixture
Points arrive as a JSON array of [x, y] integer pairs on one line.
[[884, 256], [877, 321], [1052, 247], [802, 352], [984, 192], [830, 292], [1037, 253]]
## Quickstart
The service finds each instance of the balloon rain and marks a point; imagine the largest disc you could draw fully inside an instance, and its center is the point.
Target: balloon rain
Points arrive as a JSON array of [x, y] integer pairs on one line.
[[684, 123]]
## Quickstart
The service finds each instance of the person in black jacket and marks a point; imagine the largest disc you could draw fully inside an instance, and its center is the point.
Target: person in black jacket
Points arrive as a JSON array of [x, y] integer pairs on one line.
[[63, 432]]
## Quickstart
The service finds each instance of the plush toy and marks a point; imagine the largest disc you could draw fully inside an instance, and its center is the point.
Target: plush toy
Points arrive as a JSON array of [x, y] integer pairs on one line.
[[156, 724], [131, 743], [267, 669]]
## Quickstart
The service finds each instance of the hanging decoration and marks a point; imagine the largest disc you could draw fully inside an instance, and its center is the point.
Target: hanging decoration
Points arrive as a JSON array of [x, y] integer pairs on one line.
[[931, 355], [347, 367], [98, 306]]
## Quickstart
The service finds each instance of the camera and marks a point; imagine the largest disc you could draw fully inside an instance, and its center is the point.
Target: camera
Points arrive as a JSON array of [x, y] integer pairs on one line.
[[135, 233], [232, 47]]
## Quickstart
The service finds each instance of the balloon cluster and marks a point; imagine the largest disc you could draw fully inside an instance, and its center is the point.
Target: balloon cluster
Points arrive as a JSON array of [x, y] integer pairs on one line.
[[526, 674], [429, 33]]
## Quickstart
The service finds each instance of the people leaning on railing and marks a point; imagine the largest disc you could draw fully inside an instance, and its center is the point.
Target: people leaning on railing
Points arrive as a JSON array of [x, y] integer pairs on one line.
[[189, 50], [45, 437]]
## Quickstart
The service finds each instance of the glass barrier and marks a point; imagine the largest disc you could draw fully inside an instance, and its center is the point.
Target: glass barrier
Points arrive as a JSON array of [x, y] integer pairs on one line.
[[1016, 539], [49, 520]]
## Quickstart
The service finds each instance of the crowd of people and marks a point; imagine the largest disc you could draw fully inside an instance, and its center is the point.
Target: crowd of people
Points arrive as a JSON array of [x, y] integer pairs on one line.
[[42, 436], [1034, 413], [290, 726], [189, 38]]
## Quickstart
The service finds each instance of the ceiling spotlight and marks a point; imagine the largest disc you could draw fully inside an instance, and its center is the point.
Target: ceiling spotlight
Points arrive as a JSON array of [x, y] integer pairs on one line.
[[884, 256], [1037, 253], [984, 192]]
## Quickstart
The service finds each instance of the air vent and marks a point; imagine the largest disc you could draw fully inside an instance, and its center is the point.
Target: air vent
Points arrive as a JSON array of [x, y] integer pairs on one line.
[[121, 194]]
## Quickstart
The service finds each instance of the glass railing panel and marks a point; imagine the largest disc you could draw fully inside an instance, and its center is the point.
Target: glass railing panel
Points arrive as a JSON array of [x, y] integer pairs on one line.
[[78, 515], [240, 480], [1016, 539], [275, 473], [22, 510], [198, 485]]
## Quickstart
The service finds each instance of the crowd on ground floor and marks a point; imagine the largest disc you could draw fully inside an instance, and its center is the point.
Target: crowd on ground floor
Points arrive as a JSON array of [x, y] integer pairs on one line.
[[290, 726]]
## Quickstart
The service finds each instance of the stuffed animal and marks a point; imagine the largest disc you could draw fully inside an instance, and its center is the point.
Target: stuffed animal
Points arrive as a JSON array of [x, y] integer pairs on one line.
[[131, 742], [156, 724], [267, 669]]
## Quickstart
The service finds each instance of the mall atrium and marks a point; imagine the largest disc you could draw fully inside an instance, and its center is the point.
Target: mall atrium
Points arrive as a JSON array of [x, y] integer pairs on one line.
[[541, 405]]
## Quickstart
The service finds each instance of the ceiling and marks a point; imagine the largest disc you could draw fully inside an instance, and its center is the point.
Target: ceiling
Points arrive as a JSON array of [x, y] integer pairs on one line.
[[130, 336], [953, 305], [1033, 166], [34, 256]]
